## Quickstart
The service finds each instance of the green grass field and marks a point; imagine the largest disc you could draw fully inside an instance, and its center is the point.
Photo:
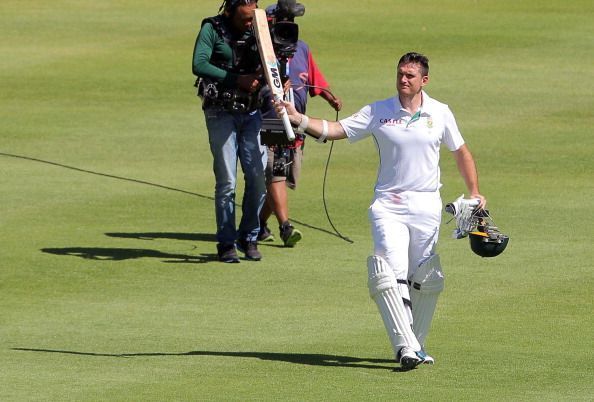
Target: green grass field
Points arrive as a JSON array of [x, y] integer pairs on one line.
[[109, 285]]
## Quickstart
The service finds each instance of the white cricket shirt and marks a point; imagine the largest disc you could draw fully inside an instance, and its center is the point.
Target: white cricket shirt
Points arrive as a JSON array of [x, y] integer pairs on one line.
[[408, 144]]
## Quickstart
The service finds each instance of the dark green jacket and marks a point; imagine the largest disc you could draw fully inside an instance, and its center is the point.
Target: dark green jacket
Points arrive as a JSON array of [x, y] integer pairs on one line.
[[213, 56]]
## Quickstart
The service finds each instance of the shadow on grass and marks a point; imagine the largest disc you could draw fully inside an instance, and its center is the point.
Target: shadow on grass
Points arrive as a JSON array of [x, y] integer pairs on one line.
[[160, 235], [120, 254], [295, 358]]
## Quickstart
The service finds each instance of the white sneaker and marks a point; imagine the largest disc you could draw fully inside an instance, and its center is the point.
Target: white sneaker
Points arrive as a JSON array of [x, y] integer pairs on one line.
[[409, 359], [426, 358]]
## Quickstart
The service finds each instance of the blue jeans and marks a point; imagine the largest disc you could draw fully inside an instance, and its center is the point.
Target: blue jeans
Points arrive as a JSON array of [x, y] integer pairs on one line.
[[231, 136]]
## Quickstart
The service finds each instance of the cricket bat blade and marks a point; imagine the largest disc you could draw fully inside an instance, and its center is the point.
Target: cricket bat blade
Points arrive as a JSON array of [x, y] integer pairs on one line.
[[270, 63]]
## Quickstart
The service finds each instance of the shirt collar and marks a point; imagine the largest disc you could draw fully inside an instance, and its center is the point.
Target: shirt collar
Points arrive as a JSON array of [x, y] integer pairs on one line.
[[425, 109]]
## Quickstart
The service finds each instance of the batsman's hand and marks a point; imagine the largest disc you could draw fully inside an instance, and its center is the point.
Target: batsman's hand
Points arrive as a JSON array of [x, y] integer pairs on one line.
[[280, 106], [482, 200]]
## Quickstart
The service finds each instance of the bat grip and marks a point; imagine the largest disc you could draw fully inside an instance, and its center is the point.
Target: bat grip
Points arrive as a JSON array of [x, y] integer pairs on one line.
[[287, 124], [288, 127]]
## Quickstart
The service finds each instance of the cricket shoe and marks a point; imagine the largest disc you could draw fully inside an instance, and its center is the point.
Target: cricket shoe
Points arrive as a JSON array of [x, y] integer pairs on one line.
[[250, 249], [289, 234], [409, 359], [426, 358], [265, 233]]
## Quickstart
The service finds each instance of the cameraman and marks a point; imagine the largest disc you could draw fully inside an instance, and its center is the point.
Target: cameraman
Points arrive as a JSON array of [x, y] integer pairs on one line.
[[226, 61], [305, 79]]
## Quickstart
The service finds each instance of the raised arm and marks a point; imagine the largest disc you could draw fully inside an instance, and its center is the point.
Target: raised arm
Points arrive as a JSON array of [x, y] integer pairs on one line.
[[320, 129]]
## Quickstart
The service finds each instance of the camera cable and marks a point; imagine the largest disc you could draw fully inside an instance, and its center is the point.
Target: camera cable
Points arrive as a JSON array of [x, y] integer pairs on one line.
[[326, 172]]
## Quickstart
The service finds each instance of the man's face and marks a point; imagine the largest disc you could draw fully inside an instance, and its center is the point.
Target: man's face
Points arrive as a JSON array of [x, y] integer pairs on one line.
[[242, 19], [410, 79]]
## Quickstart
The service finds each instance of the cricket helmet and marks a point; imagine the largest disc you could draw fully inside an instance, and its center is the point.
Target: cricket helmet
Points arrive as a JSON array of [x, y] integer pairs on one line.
[[486, 240], [487, 244]]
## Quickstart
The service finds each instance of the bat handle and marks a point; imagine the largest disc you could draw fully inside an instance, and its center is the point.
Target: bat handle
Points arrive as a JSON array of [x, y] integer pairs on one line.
[[288, 127], [287, 124]]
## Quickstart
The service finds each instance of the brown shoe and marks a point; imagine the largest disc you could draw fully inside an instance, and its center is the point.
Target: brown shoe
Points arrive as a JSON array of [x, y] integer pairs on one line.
[[227, 253], [250, 249], [265, 233]]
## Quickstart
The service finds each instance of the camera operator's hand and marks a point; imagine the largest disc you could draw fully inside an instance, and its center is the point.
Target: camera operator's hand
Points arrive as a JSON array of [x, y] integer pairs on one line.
[[336, 103], [287, 86], [249, 82], [333, 101]]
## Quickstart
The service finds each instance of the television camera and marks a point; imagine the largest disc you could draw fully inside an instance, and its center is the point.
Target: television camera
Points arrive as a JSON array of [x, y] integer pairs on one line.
[[283, 29], [284, 33]]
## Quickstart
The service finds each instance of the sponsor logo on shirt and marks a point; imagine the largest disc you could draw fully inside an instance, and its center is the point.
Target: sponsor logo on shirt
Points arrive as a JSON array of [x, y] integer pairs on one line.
[[392, 122]]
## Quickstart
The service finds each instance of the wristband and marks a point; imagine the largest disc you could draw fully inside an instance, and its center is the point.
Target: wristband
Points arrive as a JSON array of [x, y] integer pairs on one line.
[[303, 124], [322, 137]]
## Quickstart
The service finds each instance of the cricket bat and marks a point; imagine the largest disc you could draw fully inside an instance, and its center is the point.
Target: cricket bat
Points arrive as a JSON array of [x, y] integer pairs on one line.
[[271, 68]]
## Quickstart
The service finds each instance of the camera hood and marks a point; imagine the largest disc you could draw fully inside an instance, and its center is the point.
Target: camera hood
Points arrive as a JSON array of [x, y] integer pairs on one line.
[[286, 9]]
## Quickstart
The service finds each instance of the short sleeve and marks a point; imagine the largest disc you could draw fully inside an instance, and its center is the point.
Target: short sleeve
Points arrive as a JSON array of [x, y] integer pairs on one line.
[[358, 125], [452, 137]]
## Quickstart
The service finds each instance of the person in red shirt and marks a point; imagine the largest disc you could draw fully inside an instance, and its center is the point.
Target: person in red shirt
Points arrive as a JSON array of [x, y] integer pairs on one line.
[[305, 79]]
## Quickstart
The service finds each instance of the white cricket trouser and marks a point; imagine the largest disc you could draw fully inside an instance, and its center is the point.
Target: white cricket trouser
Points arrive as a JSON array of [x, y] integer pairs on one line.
[[405, 229]]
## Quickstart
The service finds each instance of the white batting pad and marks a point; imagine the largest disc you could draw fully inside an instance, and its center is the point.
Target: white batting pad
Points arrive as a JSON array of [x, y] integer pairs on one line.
[[425, 286], [383, 289]]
